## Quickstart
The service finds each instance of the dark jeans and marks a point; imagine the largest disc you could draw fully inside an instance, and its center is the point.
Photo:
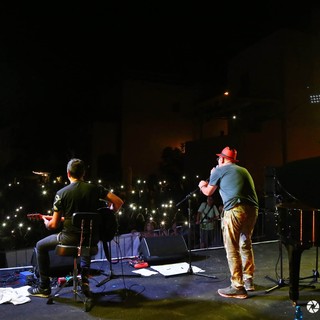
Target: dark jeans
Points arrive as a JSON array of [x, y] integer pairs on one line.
[[206, 238], [49, 243]]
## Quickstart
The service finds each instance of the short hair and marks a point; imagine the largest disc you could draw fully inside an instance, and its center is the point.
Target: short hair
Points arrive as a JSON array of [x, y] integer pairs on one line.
[[76, 168]]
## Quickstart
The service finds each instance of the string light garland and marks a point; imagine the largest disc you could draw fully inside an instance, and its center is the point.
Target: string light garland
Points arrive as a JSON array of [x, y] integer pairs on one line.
[[143, 203]]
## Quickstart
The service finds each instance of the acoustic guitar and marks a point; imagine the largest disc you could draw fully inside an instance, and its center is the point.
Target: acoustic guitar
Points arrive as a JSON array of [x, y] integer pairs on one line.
[[39, 216], [108, 223]]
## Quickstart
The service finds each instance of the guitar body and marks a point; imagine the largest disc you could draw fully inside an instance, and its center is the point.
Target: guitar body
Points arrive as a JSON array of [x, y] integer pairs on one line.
[[109, 225]]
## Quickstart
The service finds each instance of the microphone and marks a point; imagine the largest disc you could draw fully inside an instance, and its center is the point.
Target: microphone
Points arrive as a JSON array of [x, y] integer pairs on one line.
[[207, 180]]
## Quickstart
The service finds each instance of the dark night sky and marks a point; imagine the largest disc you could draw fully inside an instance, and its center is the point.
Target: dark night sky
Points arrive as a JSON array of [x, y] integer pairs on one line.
[[64, 44], [55, 59]]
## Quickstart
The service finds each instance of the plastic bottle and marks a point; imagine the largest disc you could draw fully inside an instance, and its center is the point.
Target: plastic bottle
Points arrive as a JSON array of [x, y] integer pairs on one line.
[[298, 313]]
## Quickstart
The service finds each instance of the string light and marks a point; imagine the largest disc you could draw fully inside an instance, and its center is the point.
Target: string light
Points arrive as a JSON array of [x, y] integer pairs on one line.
[[144, 206]]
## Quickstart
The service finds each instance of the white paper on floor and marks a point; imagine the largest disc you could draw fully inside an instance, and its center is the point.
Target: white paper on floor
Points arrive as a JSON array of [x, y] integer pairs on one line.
[[175, 268], [145, 272]]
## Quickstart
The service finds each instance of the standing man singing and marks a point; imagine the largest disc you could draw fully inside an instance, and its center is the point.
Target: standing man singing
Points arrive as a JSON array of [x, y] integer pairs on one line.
[[240, 202], [78, 196]]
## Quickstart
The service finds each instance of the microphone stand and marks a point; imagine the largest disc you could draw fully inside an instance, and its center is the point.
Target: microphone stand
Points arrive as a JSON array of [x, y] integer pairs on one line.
[[281, 282], [188, 197], [108, 254], [190, 270], [112, 275]]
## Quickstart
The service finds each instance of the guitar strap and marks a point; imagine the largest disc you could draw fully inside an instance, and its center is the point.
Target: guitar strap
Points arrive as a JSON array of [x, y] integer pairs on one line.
[[206, 214]]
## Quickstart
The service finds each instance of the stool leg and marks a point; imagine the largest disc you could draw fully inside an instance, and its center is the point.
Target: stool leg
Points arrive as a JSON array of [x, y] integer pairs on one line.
[[75, 279]]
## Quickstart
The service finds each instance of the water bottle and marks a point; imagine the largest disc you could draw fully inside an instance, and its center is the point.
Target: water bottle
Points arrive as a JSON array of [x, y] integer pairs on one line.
[[298, 313]]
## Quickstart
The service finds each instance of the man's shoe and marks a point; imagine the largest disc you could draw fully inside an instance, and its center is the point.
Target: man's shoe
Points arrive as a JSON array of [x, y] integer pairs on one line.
[[85, 288], [40, 292], [232, 292], [248, 284]]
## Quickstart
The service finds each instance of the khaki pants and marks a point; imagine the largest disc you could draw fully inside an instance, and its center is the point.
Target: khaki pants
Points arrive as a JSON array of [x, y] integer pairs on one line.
[[238, 226]]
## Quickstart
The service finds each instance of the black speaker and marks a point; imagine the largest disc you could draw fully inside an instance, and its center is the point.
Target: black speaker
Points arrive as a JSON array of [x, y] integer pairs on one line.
[[161, 250], [60, 266]]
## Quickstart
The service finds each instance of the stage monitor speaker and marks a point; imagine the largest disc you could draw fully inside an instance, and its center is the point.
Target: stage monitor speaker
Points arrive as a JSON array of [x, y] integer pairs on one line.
[[164, 249]]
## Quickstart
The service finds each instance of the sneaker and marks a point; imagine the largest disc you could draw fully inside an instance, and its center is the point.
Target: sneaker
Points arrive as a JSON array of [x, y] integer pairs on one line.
[[232, 292], [248, 284], [40, 292]]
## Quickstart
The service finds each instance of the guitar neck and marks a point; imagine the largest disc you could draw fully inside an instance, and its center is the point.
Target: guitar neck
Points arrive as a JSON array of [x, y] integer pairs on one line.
[[39, 216], [35, 216]]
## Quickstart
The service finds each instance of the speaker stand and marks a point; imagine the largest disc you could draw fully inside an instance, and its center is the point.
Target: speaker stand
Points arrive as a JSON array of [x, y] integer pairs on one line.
[[111, 275], [190, 270]]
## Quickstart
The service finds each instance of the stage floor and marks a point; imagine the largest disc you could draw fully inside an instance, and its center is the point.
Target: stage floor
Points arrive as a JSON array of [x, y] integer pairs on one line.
[[191, 295]]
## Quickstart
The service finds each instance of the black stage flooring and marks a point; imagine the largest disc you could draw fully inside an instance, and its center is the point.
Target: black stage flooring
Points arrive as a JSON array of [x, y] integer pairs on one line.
[[186, 296]]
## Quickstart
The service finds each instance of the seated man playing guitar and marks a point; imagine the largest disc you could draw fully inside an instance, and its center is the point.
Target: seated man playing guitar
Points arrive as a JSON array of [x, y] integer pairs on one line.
[[78, 196]]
